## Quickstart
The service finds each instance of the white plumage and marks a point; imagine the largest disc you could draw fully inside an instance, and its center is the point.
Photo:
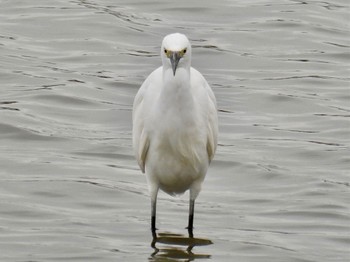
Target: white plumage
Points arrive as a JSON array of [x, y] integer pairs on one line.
[[175, 125]]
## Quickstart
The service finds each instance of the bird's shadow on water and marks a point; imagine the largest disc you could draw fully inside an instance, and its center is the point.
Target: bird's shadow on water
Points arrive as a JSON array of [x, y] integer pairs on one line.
[[175, 247]]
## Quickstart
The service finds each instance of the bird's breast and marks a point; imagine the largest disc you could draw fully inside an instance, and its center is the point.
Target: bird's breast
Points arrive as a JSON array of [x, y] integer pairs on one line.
[[177, 153]]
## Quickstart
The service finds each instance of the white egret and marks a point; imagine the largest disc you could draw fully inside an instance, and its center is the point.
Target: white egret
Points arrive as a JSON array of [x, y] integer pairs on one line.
[[175, 126]]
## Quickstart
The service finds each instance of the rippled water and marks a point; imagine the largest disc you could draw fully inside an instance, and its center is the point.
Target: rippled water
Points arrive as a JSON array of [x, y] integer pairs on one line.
[[278, 189]]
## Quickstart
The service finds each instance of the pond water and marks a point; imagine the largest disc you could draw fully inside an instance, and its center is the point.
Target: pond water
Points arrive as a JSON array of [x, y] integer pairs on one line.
[[279, 186]]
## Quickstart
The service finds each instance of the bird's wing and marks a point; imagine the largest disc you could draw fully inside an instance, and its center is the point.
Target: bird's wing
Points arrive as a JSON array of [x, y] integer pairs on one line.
[[212, 124], [207, 102], [143, 103], [139, 136]]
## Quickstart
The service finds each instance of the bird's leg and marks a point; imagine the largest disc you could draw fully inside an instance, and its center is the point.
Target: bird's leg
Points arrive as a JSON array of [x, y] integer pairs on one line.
[[154, 193], [153, 217], [194, 190], [190, 218]]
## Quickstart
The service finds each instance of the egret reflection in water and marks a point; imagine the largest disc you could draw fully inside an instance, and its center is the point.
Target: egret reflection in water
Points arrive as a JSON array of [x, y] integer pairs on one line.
[[177, 246]]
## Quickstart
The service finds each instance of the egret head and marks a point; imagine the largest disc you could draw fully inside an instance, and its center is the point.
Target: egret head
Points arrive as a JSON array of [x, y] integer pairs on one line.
[[176, 52]]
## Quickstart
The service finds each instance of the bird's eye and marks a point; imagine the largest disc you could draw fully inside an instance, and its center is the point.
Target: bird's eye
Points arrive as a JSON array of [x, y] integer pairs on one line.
[[165, 51], [185, 50]]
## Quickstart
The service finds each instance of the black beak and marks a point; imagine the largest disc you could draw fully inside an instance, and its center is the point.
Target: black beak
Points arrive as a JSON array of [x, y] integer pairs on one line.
[[174, 59]]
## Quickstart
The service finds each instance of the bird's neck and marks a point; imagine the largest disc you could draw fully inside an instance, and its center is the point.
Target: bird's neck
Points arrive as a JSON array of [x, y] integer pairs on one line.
[[182, 74], [176, 89]]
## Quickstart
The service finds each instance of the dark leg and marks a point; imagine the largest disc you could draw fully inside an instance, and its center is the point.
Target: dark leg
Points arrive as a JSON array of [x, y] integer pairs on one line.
[[190, 218], [153, 194], [153, 216]]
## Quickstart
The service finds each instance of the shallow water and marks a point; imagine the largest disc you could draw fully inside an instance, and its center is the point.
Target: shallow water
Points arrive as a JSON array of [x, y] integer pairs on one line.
[[278, 189]]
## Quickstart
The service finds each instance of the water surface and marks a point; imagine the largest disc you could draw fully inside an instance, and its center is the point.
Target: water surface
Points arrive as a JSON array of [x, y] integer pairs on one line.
[[278, 188]]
